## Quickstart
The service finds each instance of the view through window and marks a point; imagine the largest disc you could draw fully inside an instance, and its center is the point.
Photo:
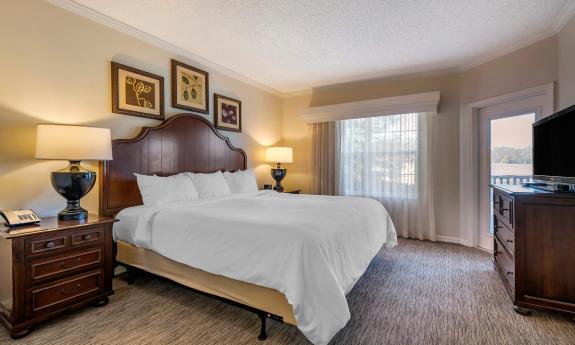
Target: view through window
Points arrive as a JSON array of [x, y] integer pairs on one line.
[[379, 156]]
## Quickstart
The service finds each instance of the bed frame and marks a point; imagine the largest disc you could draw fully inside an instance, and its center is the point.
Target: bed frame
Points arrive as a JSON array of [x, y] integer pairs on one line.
[[183, 143]]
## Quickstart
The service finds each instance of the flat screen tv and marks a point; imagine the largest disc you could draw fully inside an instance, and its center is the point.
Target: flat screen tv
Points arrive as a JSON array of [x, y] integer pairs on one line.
[[554, 148]]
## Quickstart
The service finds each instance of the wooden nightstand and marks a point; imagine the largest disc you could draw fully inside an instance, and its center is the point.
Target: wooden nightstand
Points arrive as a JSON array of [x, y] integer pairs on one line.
[[53, 267]]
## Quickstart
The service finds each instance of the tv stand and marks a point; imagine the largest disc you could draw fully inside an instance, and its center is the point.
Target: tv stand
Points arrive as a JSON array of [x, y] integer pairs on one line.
[[534, 247], [554, 187]]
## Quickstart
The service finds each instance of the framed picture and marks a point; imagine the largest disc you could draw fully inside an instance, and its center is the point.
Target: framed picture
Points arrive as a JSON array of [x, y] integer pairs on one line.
[[228, 113], [190, 88], [136, 92]]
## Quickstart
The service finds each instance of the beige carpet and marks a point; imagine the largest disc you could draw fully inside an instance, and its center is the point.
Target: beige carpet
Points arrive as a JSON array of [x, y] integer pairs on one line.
[[417, 293]]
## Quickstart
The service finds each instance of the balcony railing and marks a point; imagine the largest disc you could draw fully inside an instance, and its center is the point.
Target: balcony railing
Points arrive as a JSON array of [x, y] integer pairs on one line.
[[511, 179]]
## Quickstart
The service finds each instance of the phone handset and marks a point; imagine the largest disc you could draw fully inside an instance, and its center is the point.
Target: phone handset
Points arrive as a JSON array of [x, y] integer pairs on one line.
[[20, 217]]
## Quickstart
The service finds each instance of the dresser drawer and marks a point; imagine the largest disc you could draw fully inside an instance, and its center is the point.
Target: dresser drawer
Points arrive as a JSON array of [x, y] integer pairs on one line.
[[505, 263], [40, 269], [54, 296], [87, 236], [505, 235], [503, 206], [46, 243]]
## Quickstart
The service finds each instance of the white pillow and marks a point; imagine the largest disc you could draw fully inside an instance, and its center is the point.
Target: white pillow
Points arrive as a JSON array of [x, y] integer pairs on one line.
[[157, 190], [241, 181], [210, 185]]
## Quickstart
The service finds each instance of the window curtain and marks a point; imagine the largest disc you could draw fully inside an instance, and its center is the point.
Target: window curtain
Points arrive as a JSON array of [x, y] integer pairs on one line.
[[324, 158], [388, 158]]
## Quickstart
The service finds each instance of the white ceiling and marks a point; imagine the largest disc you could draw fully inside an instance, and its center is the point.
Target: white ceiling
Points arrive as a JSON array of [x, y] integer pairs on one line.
[[293, 45]]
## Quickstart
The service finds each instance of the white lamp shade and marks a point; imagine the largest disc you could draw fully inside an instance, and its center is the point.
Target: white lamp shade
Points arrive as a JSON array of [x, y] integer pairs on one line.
[[279, 155], [73, 143]]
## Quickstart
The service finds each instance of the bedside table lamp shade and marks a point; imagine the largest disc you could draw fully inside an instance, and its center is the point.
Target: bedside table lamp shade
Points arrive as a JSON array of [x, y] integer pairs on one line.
[[74, 144], [279, 155]]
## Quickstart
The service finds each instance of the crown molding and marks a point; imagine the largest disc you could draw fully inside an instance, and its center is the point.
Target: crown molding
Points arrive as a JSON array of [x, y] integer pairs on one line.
[[299, 93], [131, 31], [415, 103], [508, 50], [565, 16]]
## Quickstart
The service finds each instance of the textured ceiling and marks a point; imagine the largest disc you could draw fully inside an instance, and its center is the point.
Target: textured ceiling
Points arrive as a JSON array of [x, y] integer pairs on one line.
[[291, 45]]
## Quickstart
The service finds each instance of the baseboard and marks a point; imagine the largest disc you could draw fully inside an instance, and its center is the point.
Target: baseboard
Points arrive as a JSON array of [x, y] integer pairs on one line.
[[490, 251], [119, 270], [450, 239]]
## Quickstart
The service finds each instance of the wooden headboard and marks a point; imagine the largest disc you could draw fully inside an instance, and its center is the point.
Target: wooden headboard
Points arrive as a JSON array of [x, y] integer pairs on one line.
[[183, 143]]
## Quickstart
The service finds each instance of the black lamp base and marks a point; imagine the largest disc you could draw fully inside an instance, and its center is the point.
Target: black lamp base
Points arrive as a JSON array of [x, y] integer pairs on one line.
[[278, 173], [73, 211], [73, 182]]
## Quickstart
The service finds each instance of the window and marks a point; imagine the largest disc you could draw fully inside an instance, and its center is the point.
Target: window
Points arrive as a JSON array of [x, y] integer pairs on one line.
[[379, 156]]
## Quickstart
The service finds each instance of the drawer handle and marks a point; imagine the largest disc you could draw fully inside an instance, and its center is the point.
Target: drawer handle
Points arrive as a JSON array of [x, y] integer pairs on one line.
[[510, 273], [71, 291], [50, 244], [509, 241], [87, 237], [76, 262], [503, 209]]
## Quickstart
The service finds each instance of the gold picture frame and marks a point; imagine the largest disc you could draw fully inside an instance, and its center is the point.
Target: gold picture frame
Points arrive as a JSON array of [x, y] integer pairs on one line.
[[190, 87], [136, 92]]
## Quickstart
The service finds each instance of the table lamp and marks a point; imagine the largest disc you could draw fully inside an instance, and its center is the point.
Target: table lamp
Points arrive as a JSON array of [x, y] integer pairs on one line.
[[279, 155], [74, 144]]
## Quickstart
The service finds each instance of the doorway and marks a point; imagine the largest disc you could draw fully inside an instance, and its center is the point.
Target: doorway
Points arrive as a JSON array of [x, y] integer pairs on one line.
[[505, 154], [475, 154]]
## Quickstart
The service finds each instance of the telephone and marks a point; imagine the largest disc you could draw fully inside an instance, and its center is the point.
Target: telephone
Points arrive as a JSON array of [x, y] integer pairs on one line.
[[20, 217]]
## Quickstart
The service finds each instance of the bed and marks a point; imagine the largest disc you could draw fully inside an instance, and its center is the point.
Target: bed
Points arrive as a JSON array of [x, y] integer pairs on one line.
[[291, 258]]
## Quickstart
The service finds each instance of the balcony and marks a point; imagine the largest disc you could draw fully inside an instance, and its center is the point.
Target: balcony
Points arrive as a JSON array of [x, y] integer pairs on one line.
[[511, 179]]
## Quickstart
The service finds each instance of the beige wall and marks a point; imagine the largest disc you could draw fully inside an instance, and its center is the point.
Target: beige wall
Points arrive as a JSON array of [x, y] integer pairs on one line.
[[55, 67], [531, 66], [566, 68]]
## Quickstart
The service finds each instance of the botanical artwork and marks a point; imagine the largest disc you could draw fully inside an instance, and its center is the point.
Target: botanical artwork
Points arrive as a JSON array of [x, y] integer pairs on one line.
[[136, 92], [189, 88], [228, 113], [139, 93]]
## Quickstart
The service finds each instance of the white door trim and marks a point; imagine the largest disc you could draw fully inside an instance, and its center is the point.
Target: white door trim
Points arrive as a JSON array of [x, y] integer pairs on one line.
[[469, 153]]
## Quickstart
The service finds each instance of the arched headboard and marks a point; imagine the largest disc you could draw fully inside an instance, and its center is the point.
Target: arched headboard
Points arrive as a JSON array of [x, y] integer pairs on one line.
[[183, 143]]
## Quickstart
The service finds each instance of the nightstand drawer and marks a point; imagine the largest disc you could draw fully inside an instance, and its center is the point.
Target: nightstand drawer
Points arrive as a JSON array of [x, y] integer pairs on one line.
[[91, 235], [46, 243], [54, 266], [64, 292]]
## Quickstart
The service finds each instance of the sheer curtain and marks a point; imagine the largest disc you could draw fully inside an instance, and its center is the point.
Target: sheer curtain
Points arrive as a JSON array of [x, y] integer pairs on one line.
[[388, 158]]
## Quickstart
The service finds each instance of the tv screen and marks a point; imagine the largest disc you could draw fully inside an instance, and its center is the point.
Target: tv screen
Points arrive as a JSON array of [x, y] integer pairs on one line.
[[554, 147]]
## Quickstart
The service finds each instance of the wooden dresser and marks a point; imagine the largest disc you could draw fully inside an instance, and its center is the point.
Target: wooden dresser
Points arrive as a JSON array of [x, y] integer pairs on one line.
[[53, 267], [534, 247]]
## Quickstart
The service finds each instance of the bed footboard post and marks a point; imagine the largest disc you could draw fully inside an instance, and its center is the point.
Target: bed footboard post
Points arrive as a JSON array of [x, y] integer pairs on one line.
[[263, 334]]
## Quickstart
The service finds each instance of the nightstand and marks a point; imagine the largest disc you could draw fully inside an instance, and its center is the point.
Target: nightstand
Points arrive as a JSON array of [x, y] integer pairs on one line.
[[53, 267]]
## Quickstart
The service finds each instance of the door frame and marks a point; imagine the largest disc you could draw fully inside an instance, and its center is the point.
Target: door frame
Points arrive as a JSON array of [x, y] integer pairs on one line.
[[539, 97], [486, 116]]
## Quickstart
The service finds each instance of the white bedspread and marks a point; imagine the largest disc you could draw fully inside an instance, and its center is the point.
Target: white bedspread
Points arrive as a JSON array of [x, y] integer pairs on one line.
[[313, 249]]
